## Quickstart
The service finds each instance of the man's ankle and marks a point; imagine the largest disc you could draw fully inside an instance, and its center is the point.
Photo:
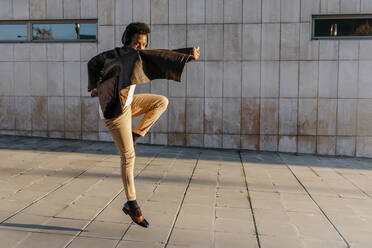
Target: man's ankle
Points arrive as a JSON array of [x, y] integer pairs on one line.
[[133, 205]]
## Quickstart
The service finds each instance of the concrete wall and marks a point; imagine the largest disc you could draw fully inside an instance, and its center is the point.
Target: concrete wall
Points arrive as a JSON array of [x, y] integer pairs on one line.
[[260, 84]]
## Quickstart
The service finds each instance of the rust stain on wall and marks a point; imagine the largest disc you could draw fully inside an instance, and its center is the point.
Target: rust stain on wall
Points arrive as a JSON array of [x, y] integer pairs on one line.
[[250, 116], [39, 110]]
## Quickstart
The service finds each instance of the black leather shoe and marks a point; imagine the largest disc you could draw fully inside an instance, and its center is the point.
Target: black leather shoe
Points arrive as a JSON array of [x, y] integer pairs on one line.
[[136, 215]]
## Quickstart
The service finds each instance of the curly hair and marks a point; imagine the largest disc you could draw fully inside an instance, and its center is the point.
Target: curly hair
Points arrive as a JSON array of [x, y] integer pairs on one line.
[[132, 29]]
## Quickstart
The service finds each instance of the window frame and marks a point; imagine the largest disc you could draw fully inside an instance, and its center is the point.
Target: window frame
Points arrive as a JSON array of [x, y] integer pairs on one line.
[[339, 16], [29, 24]]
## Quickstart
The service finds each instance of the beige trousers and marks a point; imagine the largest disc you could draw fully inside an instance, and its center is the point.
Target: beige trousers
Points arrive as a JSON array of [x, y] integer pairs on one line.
[[152, 106]]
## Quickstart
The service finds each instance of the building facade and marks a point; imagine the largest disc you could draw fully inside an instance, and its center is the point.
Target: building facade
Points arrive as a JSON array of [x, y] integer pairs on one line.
[[261, 83]]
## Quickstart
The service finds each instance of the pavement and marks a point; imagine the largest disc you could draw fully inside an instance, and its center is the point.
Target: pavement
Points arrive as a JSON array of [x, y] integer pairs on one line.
[[68, 193]]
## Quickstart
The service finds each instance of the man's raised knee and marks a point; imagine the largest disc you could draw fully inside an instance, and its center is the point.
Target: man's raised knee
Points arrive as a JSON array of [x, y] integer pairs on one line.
[[163, 101]]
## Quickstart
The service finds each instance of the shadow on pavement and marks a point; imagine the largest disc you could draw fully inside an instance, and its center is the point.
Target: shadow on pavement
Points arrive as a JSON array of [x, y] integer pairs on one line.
[[224, 155], [42, 227], [42, 144]]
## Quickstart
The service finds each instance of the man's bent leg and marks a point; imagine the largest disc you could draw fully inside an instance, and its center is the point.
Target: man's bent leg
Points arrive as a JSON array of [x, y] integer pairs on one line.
[[152, 106], [121, 131]]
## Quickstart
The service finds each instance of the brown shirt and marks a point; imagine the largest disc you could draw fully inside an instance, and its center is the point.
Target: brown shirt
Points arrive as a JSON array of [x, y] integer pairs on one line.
[[124, 96]]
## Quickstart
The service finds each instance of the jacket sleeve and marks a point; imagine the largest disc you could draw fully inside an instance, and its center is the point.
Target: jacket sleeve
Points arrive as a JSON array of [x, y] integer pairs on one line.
[[163, 64], [95, 65], [186, 51]]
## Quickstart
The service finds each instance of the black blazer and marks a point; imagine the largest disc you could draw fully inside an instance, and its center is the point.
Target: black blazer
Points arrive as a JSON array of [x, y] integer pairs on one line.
[[121, 67]]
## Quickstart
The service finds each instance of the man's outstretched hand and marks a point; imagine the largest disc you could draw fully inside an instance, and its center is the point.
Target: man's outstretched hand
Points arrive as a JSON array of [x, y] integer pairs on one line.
[[196, 53], [94, 92]]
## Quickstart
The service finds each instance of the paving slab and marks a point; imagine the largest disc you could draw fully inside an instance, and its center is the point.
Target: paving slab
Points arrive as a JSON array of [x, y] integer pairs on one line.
[[103, 229], [195, 222], [236, 240], [10, 238], [43, 240], [68, 193], [139, 244], [158, 235], [191, 238], [92, 243]]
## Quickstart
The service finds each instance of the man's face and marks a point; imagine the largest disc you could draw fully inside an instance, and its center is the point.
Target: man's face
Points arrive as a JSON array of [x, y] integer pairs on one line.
[[139, 41]]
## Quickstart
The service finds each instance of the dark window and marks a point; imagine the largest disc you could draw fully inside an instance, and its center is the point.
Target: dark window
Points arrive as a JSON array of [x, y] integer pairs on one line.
[[48, 31], [336, 27], [64, 31], [13, 32], [88, 31]]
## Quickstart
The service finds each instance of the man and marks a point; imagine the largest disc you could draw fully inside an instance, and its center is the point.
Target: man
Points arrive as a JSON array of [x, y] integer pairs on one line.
[[113, 76]]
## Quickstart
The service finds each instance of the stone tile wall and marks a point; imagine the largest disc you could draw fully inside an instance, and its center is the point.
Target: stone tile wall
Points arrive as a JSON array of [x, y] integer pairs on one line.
[[260, 84]]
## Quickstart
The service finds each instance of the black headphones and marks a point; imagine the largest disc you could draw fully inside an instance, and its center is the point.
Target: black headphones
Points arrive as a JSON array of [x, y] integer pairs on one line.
[[124, 38]]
